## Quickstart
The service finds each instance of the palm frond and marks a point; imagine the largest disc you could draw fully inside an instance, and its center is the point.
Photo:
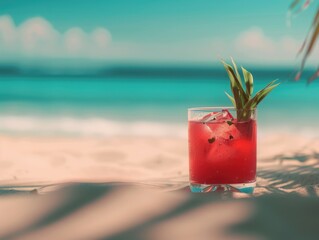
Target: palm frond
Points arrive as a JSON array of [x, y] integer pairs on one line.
[[311, 38], [314, 76]]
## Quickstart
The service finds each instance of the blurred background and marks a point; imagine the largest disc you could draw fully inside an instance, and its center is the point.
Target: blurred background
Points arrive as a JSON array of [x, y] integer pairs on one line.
[[114, 68]]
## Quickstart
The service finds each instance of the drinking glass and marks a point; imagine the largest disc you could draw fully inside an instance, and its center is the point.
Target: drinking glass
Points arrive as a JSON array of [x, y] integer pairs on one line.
[[222, 149]]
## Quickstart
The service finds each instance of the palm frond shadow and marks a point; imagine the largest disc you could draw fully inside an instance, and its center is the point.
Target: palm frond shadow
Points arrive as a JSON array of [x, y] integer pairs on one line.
[[288, 177], [300, 157], [290, 209], [281, 217]]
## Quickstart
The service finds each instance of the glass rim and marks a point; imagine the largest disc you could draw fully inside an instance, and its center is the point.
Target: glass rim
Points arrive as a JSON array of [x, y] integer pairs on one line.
[[219, 108]]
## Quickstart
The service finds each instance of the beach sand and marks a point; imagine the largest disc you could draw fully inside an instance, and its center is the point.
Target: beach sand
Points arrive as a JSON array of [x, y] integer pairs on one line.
[[285, 162], [137, 188], [54, 160]]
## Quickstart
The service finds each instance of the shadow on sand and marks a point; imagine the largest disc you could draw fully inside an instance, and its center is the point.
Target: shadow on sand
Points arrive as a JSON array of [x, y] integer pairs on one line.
[[289, 176], [289, 209]]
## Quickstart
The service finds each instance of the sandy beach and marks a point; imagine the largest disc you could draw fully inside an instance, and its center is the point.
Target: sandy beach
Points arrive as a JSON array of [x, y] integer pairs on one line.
[[285, 163], [137, 188], [55, 160]]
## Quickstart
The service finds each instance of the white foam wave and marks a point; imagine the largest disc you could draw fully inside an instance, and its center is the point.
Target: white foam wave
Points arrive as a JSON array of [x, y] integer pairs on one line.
[[89, 127], [98, 126]]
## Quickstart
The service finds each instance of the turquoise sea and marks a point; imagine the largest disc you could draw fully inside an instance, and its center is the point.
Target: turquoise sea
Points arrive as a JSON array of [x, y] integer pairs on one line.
[[147, 105]]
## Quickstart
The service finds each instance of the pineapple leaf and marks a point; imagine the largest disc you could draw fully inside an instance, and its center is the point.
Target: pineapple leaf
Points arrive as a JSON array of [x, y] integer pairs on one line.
[[241, 99], [249, 81], [231, 99], [265, 93], [236, 71], [239, 94], [260, 95], [233, 86]]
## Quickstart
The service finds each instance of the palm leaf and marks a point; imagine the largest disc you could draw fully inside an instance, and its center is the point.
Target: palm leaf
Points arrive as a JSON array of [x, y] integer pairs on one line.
[[298, 6], [294, 4], [314, 76], [311, 37], [311, 44], [314, 22]]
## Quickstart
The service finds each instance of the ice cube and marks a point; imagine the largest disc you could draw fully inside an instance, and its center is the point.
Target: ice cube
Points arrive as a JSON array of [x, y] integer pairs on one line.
[[220, 126], [222, 116], [226, 115], [213, 116]]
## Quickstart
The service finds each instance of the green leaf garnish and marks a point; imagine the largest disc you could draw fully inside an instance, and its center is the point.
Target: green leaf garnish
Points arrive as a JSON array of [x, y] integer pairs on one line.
[[242, 98], [249, 81], [231, 99], [236, 86], [252, 103], [211, 140], [236, 71]]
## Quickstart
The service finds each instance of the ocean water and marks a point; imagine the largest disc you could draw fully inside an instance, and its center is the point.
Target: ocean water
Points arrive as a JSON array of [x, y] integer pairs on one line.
[[93, 106]]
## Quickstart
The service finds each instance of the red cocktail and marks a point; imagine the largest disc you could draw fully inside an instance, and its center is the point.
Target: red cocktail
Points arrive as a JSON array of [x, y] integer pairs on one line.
[[222, 150]]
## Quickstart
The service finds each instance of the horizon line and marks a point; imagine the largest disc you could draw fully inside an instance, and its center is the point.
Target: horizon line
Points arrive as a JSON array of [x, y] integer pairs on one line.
[[141, 70]]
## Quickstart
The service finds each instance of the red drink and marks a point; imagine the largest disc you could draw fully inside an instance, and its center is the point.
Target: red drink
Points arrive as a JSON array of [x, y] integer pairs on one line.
[[222, 150]]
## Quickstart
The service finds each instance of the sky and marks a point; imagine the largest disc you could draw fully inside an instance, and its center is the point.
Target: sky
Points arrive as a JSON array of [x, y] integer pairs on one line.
[[166, 31]]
